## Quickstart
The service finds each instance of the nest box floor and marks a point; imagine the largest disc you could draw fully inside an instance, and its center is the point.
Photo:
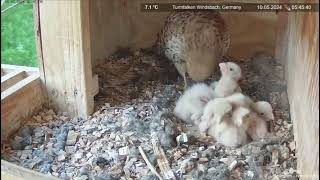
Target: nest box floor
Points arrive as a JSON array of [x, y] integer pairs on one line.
[[138, 91]]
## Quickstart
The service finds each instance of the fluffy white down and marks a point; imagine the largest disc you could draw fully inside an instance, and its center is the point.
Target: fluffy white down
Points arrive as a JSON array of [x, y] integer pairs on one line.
[[264, 109], [238, 116], [260, 130], [216, 118], [228, 83], [226, 87], [217, 107], [254, 125], [239, 99], [228, 134], [192, 102]]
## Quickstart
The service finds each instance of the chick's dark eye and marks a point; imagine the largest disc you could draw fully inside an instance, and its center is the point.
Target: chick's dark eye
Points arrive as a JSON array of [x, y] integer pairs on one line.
[[231, 69], [261, 114]]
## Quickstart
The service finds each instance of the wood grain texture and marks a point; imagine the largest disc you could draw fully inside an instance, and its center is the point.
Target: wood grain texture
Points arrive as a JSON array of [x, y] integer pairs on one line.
[[29, 70], [298, 44], [37, 29], [281, 50], [5, 71], [121, 23], [106, 27], [19, 102], [11, 171], [66, 55], [12, 78]]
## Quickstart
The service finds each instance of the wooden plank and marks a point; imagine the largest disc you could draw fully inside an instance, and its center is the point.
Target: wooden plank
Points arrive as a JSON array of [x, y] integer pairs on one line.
[[95, 85], [66, 55], [18, 103], [10, 171], [12, 78], [129, 21], [10, 67], [282, 36], [105, 25], [6, 71], [300, 50], [37, 28], [87, 78]]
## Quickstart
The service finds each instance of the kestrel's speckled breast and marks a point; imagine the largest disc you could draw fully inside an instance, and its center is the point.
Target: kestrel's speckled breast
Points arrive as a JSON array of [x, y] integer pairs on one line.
[[182, 32], [194, 41]]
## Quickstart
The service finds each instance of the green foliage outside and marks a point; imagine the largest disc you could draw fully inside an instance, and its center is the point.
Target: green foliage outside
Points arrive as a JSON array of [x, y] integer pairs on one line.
[[17, 35]]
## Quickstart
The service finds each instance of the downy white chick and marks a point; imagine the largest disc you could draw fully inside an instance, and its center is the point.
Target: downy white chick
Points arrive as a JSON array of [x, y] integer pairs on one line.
[[208, 113], [228, 83], [264, 109], [239, 99], [189, 106], [250, 121], [217, 116]]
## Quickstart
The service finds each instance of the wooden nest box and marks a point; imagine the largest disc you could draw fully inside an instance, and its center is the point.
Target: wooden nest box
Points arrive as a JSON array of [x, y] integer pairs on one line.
[[73, 35]]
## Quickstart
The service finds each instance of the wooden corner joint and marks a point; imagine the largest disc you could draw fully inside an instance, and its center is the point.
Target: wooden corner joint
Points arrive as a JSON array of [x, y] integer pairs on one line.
[[94, 85]]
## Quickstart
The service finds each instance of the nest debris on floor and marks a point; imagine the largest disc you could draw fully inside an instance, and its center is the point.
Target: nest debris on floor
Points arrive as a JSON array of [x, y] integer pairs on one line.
[[134, 117], [126, 75]]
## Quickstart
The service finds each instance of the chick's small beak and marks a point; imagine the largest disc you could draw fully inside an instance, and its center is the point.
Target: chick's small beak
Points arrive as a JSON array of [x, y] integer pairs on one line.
[[223, 67]]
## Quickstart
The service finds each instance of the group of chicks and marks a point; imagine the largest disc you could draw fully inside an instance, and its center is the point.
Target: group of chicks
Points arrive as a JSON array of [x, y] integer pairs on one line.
[[196, 42], [222, 111]]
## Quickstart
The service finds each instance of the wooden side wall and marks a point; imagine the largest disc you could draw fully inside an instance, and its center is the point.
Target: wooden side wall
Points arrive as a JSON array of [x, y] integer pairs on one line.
[[63, 37], [298, 47], [120, 23], [21, 97]]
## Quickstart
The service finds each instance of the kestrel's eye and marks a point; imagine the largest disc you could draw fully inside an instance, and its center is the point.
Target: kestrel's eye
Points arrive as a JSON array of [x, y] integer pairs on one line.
[[231, 69], [261, 114]]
